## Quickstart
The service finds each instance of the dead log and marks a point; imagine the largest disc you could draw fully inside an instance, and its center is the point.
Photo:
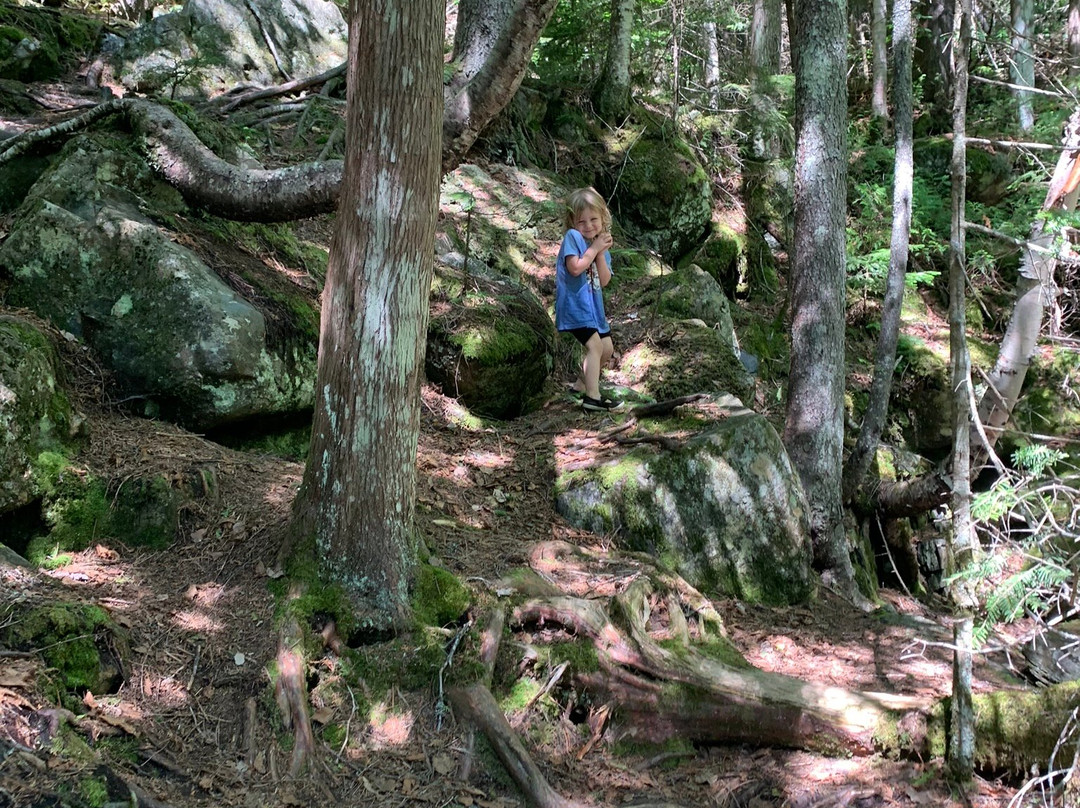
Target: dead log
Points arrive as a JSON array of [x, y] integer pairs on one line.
[[661, 693]]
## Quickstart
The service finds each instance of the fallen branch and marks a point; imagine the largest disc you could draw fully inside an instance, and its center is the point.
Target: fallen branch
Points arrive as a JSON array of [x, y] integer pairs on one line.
[[295, 86], [290, 692], [665, 407]]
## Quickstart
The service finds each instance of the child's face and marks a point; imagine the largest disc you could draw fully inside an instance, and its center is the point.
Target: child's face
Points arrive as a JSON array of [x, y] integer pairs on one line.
[[589, 223]]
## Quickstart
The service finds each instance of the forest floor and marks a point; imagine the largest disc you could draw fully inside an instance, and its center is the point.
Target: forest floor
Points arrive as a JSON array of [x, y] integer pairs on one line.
[[196, 720], [202, 633]]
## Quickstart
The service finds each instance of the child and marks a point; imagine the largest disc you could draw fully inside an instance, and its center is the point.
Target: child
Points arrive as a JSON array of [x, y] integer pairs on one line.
[[582, 270]]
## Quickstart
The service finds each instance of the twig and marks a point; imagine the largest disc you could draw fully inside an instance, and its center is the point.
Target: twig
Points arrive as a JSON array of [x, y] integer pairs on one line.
[[296, 85]]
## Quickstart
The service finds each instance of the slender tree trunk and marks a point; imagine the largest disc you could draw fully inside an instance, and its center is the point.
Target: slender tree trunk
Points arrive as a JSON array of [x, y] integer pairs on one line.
[[358, 489], [1022, 66], [885, 356], [1073, 35], [933, 52], [962, 718], [676, 61], [961, 543], [879, 23], [813, 430], [711, 49], [612, 93]]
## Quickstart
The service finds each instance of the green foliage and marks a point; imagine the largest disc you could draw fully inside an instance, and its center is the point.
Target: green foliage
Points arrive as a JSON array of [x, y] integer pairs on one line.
[[1036, 459]]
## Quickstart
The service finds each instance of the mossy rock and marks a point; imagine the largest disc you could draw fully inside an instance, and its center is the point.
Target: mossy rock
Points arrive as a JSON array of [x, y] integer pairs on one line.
[[36, 416], [1048, 404], [79, 642], [80, 509], [208, 46], [723, 256], [724, 508], [690, 293], [659, 192], [490, 343], [37, 45], [687, 359], [181, 340]]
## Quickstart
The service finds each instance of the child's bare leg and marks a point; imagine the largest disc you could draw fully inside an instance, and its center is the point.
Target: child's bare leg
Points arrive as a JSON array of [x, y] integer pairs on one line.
[[608, 352], [590, 371]]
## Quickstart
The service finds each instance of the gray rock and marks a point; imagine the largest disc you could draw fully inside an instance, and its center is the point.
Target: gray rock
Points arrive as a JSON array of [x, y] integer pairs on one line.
[[85, 256], [35, 414], [725, 509], [211, 46]]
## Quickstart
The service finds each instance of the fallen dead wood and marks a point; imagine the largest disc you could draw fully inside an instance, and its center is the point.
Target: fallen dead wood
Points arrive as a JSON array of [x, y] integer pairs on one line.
[[294, 86], [661, 694]]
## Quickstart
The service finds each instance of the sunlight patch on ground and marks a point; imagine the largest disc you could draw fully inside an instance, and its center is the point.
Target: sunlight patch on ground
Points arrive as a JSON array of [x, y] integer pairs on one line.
[[490, 460], [165, 690], [197, 621], [390, 728]]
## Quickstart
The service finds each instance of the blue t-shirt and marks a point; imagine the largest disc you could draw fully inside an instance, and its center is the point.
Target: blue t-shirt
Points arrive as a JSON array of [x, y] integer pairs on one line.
[[579, 303]]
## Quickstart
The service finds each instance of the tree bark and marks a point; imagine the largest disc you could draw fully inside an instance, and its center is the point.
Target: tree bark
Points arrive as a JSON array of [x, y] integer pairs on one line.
[[961, 543], [903, 172], [813, 430], [612, 92], [1022, 64], [879, 107], [493, 44], [358, 491], [711, 48], [1072, 28]]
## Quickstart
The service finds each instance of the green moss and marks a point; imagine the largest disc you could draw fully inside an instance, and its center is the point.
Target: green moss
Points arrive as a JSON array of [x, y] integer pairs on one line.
[[94, 791], [439, 596], [494, 342], [581, 655], [722, 650], [65, 636], [676, 747], [62, 39], [523, 692], [334, 735]]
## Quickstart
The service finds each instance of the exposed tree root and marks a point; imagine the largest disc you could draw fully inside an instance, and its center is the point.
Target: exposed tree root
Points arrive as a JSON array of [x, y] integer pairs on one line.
[[476, 706], [662, 693], [290, 692]]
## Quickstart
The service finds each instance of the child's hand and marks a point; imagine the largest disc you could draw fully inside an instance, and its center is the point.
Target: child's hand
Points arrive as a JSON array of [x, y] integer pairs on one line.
[[602, 242]]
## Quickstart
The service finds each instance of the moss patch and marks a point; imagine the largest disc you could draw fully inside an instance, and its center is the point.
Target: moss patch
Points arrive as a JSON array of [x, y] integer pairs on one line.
[[68, 636], [440, 597]]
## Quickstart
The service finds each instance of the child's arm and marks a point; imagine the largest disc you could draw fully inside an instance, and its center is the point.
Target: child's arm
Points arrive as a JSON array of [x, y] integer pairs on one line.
[[577, 264], [603, 271]]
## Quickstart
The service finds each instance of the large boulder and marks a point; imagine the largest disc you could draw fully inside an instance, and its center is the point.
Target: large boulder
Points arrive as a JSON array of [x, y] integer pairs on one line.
[[660, 194], [35, 413], [210, 46], [722, 507], [83, 254], [490, 342], [686, 358]]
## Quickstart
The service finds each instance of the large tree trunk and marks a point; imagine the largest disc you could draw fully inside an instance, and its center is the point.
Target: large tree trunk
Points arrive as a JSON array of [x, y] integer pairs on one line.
[[358, 489], [814, 426], [1022, 65], [612, 93], [493, 44], [903, 172]]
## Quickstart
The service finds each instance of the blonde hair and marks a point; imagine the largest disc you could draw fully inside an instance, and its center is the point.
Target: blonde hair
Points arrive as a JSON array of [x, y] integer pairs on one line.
[[584, 198]]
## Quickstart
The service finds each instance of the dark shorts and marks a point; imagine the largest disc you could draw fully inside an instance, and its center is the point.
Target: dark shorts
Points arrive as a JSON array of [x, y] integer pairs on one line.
[[583, 335]]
